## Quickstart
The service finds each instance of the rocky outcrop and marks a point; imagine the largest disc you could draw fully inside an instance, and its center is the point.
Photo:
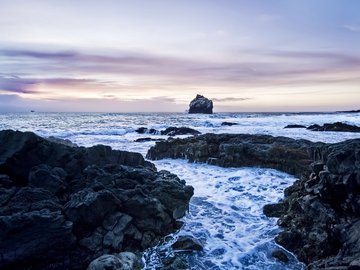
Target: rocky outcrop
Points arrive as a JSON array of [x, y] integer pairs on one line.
[[62, 206], [170, 131], [320, 214], [338, 126], [201, 104], [235, 150]]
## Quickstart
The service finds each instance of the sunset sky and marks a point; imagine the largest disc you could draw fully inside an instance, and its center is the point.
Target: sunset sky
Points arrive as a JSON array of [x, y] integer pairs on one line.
[[156, 55]]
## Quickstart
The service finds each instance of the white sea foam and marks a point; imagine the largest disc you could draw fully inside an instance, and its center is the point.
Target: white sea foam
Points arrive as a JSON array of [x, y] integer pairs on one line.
[[226, 216]]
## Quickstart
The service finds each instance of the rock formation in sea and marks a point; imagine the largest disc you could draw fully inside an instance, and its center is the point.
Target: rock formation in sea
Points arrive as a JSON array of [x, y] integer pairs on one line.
[[338, 126], [320, 214], [201, 104], [62, 206]]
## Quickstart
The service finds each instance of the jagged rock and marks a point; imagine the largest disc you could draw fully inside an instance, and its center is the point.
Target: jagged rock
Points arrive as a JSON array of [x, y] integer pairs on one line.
[[338, 126], [51, 179], [62, 206], [187, 243], [295, 126], [121, 261], [201, 104]]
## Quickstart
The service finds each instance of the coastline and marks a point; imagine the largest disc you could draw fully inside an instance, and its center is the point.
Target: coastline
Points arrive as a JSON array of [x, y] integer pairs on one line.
[[292, 168]]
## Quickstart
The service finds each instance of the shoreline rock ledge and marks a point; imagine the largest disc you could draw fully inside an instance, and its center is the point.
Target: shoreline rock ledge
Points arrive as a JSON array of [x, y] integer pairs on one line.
[[201, 104], [63, 206], [320, 214]]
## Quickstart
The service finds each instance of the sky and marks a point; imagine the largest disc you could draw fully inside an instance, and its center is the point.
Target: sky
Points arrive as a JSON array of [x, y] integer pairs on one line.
[[156, 55]]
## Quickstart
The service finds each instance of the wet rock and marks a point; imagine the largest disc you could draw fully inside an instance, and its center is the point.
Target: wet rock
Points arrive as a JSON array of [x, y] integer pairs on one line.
[[338, 126], [120, 261], [201, 104], [148, 139], [187, 243], [170, 131], [280, 255], [274, 210], [175, 263], [295, 126], [228, 124], [69, 205], [144, 130], [174, 131]]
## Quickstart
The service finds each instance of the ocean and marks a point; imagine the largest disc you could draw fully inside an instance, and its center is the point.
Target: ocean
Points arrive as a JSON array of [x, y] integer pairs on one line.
[[226, 210]]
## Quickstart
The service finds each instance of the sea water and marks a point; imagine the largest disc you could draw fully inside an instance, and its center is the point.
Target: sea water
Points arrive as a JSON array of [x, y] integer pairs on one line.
[[225, 212]]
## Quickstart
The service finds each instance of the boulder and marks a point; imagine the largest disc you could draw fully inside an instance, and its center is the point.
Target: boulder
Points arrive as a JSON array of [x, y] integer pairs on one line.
[[187, 243], [120, 261], [201, 104], [62, 206]]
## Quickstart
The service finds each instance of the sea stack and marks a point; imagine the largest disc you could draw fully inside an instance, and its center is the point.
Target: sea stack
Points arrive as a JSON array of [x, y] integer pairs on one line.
[[201, 104]]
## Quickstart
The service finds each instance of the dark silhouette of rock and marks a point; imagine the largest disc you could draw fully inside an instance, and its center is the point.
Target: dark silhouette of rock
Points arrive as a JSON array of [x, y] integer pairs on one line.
[[295, 126], [201, 104], [320, 213], [63, 206], [352, 111], [228, 124], [338, 126]]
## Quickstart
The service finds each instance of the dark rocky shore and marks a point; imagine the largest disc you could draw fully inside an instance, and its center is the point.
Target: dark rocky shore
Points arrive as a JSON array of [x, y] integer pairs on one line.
[[320, 214], [62, 206]]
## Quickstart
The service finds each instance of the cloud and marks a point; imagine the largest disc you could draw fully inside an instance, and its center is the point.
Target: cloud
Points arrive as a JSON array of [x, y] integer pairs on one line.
[[147, 72], [353, 27], [16, 84], [41, 55], [230, 99]]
